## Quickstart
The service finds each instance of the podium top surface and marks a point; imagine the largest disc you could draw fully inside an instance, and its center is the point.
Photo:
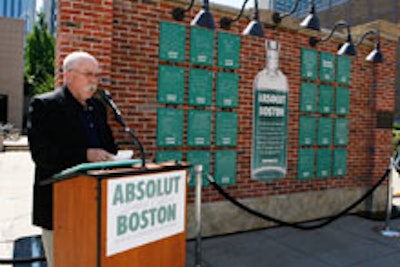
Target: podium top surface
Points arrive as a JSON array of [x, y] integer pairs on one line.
[[107, 169]]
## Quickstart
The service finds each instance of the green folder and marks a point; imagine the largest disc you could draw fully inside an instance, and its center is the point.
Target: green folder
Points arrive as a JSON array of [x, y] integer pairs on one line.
[[97, 165]]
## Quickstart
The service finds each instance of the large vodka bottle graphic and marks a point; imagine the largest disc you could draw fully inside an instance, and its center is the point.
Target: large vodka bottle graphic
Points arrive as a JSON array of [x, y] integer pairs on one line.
[[270, 113]]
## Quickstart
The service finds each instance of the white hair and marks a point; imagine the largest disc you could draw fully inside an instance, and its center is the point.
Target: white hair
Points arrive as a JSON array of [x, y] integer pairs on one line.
[[72, 59]]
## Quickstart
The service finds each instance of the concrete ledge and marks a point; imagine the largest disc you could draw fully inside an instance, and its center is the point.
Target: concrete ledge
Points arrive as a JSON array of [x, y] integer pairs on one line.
[[220, 218]]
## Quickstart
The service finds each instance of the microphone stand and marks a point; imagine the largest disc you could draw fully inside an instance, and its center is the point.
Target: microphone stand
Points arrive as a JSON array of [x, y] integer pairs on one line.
[[138, 143], [118, 117]]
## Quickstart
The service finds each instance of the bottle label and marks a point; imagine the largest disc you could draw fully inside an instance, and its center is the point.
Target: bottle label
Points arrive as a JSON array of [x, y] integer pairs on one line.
[[269, 149]]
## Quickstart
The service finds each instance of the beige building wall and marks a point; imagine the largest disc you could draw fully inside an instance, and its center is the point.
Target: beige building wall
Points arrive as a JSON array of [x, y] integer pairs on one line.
[[357, 12], [11, 67]]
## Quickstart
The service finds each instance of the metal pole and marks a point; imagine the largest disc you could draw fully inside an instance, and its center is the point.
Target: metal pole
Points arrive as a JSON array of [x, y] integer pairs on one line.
[[198, 169], [389, 196], [387, 231]]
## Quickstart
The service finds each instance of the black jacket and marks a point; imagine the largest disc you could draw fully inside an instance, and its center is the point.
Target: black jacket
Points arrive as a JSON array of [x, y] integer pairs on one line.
[[58, 140]]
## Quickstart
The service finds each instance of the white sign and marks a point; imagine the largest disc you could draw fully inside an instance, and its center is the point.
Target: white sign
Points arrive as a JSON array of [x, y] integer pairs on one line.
[[143, 209], [395, 187]]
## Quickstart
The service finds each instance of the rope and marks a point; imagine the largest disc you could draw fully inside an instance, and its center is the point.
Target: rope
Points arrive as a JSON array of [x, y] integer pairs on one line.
[[226, 195], [296, 225]]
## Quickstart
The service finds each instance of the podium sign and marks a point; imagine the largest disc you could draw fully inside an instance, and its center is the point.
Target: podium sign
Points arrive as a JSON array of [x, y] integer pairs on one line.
[[395, 187], [122, 216], [143, 209]]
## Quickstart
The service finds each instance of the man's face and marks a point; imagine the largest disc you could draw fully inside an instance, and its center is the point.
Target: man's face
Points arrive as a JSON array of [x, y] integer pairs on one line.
[[82, 80]]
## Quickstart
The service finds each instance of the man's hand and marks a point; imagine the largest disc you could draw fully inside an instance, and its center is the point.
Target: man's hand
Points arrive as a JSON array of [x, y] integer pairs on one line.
[[98, 154]]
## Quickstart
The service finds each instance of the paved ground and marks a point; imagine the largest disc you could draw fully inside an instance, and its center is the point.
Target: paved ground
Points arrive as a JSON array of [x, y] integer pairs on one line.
[[350, 241], [16, 179]]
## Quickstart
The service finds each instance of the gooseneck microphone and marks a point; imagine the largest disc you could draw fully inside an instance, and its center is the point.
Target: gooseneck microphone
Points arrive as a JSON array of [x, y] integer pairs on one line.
[[106, 95]]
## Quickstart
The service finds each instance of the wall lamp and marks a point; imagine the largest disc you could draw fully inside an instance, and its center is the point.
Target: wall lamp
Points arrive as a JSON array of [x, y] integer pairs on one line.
[[203, 19], [254, 28], [376, 55], [347, 48], [309, 22]]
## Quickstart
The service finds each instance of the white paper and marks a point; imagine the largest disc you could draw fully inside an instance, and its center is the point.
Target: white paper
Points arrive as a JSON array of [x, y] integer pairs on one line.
[[123, 155]]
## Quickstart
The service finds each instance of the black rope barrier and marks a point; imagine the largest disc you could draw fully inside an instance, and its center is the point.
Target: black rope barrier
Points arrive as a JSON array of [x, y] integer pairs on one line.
[[226, 195], [296, 225]]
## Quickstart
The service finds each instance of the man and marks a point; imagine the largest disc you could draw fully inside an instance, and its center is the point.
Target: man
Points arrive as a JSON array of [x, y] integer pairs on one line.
[[66, 127]]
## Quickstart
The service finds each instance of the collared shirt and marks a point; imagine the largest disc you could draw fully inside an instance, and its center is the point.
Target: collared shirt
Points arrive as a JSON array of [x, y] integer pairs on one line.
[[89, 123]]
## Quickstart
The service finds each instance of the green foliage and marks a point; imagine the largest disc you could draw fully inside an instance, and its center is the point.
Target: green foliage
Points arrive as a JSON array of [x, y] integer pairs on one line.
[[39, 59]]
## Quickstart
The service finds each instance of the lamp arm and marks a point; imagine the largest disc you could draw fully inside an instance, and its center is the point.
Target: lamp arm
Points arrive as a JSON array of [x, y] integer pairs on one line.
[[277, 17], [206, 6], [337, 24], [178, 13], [256, 13], [313, 40], [241, 12], [370, 32], [291, 11], [190, 6]]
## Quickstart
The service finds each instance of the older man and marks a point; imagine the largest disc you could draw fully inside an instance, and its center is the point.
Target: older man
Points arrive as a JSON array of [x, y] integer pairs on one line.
[[66, 127]]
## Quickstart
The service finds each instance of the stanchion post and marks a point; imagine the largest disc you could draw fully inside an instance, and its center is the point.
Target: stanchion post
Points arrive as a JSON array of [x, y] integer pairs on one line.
[[389, 197], [198, 170]]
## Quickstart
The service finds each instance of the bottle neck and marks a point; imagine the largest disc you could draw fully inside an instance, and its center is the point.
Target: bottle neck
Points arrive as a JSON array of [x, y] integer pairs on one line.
[[272, 58], [272, 61]]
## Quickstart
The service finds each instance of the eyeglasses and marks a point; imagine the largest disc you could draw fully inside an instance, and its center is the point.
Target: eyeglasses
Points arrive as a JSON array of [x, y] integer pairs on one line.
[[88, 74]]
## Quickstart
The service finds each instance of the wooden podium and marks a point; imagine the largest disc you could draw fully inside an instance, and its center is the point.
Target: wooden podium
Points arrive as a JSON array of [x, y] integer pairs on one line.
[[121, 217]]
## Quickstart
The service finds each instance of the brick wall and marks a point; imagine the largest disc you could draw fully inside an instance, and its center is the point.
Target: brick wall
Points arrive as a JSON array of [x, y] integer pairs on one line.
[[124, 34]]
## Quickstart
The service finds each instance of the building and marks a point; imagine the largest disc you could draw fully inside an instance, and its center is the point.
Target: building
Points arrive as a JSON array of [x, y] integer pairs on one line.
[[12, 69], [357, 12], [303, 6], [17, 18], [324, 176], [50, 12], [329, 11], [20, 9]]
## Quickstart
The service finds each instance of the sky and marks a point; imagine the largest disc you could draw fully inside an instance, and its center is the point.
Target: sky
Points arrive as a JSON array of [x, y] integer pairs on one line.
[[233, 3], [39, 3]]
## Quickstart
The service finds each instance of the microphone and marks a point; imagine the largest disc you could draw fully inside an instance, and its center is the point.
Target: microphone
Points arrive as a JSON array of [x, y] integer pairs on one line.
[[106, 95]]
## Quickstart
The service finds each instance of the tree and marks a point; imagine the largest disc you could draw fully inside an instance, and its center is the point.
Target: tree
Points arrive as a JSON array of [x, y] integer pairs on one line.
[[39, 59]]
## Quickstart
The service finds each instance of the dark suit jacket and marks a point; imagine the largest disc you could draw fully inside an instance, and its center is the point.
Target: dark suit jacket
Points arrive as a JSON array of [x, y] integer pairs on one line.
[[58, 140]]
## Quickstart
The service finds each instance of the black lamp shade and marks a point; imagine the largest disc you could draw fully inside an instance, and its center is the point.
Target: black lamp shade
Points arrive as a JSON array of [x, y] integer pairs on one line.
[[376, 55], [204, 19], [311, 22], [255, 28], [348, 49]]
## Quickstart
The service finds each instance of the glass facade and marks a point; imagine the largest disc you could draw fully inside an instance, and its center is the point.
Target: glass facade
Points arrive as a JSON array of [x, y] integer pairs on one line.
[[19, 9], [50, 13], [304, 6]]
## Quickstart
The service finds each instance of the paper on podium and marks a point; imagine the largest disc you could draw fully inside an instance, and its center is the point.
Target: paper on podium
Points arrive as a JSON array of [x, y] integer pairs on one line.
[[123, 155], [98, 165]]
